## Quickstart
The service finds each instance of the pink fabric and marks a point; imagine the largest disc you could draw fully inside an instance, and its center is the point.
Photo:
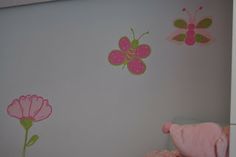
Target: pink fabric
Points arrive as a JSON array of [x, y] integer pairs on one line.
[[31, 107], [199, 140]]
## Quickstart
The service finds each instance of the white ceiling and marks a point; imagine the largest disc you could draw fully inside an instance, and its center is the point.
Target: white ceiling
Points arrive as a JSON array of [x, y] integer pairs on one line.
[[13, 3]]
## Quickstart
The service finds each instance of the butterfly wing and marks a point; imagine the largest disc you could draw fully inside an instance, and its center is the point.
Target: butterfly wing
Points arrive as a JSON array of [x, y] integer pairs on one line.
[[116, 57], [178, 36], [143, 51], [181, 23], [124, 43], [203, 37], [204, 23], [136, 66]]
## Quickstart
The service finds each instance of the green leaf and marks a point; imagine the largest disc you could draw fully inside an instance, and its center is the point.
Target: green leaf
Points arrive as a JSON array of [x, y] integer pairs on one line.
[[180, 23], [204, 23], [32, 140]]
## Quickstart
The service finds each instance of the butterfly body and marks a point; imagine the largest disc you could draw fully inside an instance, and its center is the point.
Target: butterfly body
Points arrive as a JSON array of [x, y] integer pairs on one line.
[[130, 54], [191, 32]]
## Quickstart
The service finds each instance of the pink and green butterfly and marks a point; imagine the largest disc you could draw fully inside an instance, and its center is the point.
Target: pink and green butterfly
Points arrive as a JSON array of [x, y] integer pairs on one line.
[[191, 32], [131, 54]]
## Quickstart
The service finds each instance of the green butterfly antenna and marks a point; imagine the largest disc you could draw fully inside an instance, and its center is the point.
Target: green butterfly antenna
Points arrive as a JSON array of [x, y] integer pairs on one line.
[[143, 35], [132, 30]]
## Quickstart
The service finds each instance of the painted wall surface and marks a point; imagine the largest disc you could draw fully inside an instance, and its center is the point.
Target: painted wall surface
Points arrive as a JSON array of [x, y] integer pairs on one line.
[[59, 51]]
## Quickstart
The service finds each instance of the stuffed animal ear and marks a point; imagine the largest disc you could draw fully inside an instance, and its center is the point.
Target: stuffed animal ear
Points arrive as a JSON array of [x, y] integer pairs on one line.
[[166, 127]]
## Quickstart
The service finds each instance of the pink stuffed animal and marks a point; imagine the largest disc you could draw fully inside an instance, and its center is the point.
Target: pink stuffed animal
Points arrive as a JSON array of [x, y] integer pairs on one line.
[[198, 140]]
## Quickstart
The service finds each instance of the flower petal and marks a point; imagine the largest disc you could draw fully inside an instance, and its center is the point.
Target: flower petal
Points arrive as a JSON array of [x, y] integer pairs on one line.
[[37, 103], [14, 109], [25, 102], [44, 112], [143, 51], [124, 43]]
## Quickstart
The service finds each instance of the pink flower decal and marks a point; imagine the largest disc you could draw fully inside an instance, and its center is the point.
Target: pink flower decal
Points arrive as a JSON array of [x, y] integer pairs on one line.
[[29, 109], [131, 53]]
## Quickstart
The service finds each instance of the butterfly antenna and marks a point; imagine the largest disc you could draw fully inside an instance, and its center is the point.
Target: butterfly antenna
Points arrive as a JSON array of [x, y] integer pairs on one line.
[[196, 12], [132, 30], [143, 35], [188, 13]]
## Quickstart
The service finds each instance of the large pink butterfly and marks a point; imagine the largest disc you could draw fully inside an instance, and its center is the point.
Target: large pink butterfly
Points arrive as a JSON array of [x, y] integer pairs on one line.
[[131, 54], [192, 32]]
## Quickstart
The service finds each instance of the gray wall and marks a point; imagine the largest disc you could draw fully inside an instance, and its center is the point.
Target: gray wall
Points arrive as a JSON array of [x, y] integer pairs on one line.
[[59, 51]]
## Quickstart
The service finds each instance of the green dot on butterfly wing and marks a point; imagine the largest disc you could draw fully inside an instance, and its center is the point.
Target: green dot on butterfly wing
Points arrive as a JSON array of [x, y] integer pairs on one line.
[[204, 23], [201, 38], [180, 23], [179, 37]]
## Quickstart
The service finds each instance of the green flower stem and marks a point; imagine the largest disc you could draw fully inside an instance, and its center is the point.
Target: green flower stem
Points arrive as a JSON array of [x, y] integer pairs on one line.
[[26, 139], [26, 124]]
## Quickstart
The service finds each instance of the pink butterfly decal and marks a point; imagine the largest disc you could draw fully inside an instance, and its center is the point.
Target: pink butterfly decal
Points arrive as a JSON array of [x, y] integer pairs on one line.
[[131, 54], [192, 32]]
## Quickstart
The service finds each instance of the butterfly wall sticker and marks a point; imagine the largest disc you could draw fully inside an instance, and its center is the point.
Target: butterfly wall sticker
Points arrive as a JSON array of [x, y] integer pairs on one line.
[[131, 54], [192, 31]]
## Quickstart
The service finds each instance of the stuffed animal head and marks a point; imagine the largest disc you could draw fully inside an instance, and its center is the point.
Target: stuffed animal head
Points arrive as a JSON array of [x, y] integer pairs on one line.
[[198, 140]]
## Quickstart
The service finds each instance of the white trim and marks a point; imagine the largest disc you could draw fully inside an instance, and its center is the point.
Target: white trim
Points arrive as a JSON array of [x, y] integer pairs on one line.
[[233, 81]]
